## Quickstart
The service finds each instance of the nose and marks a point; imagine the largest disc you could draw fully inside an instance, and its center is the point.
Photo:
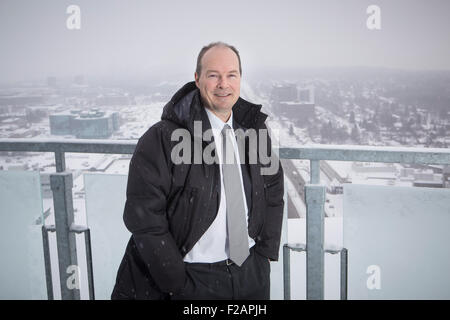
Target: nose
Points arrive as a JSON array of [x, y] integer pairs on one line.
[[222, 83]]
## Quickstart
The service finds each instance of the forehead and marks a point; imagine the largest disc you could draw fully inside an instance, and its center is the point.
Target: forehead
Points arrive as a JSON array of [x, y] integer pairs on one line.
[[220, 59]]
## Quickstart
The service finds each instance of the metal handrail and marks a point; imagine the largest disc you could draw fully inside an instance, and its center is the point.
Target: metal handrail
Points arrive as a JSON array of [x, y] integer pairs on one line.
[[60, 147], [411, 155]]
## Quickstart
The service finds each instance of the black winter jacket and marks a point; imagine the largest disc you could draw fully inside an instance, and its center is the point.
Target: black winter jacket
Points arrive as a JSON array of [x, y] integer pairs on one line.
[[169, 206]]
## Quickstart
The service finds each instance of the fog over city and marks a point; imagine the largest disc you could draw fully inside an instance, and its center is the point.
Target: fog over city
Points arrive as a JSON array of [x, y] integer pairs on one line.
[[156, 38]]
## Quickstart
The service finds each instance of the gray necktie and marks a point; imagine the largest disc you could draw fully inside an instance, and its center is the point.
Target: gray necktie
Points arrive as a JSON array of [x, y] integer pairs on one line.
[[236, 217]]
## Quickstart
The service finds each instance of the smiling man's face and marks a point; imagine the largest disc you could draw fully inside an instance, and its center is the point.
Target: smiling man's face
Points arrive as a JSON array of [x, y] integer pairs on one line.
[[219, 81]]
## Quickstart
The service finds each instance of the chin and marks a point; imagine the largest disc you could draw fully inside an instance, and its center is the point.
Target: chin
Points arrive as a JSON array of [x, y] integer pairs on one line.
[[221, 109], [225, 106]]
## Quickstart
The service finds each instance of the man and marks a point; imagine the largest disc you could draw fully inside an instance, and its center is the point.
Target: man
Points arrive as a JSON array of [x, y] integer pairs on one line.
[[202, 230]]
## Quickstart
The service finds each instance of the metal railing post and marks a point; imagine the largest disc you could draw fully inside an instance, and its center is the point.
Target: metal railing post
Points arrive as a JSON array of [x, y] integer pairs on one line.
[[284, 239], [60, 161], [90, 270], [315, 199], [287, 272], [287, 247], [48, 266], [61, 185], [314, 171], [344, 273]]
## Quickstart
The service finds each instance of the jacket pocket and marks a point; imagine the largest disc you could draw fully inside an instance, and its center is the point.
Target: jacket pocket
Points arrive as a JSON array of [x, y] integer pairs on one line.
[[271, 198]]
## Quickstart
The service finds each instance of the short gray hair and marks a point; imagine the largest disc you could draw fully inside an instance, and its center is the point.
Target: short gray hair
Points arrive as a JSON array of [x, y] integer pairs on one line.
[[211, 45]]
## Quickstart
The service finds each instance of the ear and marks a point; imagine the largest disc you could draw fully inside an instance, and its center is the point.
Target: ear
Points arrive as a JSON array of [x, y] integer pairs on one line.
[[196, 79]]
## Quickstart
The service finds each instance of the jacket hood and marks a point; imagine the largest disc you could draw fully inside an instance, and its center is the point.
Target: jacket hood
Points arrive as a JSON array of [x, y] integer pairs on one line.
[[186, 106]]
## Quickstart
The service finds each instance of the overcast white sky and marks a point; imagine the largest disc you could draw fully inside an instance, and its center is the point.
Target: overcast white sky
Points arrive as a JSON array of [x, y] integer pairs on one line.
[[139, 37]]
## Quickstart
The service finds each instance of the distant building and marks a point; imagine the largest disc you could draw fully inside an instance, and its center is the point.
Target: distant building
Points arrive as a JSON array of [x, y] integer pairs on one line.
[[335, 187], [368, 167], [428, 179], [93, 124], [284, 92], [296, 104], [427, 184], [425, 176], [115, 121], [296, 110], [20, 100], [61, 123], [306, 95]]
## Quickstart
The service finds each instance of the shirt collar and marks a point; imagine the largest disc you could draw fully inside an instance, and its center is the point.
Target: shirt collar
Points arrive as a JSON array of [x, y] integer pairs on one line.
[[216, 122]]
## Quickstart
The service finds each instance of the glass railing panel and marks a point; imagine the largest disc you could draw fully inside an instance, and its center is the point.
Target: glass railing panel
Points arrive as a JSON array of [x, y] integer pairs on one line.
[[397, 240], [22, 268], [105, 201], [297, 235]]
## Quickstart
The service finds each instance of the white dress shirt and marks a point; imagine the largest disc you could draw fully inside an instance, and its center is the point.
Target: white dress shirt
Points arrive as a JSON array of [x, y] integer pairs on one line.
[[213, 245]]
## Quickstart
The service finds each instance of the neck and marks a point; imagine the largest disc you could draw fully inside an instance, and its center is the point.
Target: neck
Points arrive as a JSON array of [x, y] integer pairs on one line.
[[224, 115]]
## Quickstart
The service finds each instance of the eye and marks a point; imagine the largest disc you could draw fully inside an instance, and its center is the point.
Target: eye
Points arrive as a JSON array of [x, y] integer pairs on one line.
[[212, 75]]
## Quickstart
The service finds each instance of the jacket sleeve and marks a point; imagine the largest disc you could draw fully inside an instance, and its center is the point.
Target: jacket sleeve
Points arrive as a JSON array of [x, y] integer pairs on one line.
[[149, 182], [269, 240]]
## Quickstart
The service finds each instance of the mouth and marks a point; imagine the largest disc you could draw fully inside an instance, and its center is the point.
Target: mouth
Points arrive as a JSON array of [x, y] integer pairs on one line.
[[222, 95]]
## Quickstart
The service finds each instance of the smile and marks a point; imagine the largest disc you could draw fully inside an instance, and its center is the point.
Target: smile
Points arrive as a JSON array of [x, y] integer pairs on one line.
[[222, 96]]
